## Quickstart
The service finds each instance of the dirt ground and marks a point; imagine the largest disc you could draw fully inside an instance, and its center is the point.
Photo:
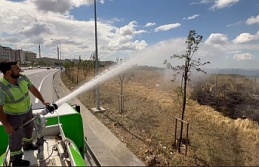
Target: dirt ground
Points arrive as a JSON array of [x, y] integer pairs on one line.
[[147, 123], [147, 113]]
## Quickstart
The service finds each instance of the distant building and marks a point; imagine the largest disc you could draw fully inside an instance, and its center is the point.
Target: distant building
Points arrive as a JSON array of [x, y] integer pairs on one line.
[[20, 55], [30, 56], [48, 61], [107, 63], [12, 54], [2, 55], [7, 53]]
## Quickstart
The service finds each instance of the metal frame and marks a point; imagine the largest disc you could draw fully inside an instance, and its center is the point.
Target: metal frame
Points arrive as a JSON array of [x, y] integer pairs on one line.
[[187, 132]]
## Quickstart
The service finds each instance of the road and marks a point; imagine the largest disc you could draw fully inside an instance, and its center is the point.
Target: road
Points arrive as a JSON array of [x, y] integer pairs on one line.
[[43, 80]]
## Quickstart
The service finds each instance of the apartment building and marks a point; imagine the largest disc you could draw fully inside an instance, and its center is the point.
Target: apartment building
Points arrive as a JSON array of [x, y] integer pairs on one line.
[[20, 56], [2, 56], [8, 54], [30, 56]]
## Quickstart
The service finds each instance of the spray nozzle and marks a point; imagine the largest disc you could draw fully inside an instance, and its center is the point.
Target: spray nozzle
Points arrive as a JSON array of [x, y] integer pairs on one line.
[[49, 109], [52, 107]]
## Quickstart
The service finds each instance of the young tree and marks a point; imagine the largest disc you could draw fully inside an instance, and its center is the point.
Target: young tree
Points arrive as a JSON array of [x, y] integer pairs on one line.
[[87, 66], [192, 41], [121, 82], [78, 67], [93, 60], [68, 66]]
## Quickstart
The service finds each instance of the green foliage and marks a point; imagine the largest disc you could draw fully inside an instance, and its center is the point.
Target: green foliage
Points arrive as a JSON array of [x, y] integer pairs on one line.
[[87, 66], [192, 41], [68, 66]]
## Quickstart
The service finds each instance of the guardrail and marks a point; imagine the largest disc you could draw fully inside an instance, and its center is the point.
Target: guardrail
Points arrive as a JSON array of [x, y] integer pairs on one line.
[[91, 154]]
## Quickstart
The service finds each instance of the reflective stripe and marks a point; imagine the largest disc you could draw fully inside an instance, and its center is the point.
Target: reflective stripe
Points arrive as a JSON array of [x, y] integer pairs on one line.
[[17, 97], [16, 153], [27, 140], [6, 88], [19, 100]]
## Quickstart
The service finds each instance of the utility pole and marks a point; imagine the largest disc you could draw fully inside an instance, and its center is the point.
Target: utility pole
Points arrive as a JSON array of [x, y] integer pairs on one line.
[[96, 58], [98, 108]]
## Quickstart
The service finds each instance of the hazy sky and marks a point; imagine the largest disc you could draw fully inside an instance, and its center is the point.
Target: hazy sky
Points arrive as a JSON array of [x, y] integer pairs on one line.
[[127, 28]]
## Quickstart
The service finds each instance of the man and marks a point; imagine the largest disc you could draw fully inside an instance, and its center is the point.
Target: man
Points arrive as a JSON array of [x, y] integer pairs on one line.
[[16, 109]]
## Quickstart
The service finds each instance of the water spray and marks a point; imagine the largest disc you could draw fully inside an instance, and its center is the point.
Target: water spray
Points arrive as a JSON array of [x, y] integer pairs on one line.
[[97, 80], [140, 57]]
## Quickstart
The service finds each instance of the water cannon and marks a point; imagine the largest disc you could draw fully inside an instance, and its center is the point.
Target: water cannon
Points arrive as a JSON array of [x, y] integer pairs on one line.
[[49, 109]]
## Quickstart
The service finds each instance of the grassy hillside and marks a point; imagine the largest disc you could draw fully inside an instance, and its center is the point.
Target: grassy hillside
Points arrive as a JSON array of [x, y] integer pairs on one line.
[[147, 123]]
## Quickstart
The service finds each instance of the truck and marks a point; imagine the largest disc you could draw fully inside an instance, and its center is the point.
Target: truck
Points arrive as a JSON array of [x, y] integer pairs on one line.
[[59, 137]]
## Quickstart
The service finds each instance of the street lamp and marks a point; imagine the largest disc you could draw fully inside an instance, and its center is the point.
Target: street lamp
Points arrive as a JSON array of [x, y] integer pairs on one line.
[[96, 59], [98, 108]]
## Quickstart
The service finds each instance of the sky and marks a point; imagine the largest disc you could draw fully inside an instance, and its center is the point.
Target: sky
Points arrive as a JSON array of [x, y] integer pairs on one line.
[[152, 30]]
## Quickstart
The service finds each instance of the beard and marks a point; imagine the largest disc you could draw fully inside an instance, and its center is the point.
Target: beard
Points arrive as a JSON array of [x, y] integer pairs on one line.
[[15, 76]]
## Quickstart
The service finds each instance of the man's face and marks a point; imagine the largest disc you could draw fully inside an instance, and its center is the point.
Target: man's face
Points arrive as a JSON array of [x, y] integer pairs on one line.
[[15, 71]]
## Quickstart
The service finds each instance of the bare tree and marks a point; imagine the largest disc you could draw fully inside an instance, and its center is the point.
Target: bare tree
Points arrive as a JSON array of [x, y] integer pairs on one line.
[[122, 77], [92, 59], [121, 82], [69, 69], [192, 41], [78, 68], [87, 66]]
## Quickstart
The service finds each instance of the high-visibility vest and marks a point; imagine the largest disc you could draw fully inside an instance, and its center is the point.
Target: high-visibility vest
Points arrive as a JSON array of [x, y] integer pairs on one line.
[[17, 100]]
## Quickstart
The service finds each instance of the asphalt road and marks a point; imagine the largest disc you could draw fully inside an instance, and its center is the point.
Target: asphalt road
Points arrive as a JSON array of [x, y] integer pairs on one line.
[[43, 80]]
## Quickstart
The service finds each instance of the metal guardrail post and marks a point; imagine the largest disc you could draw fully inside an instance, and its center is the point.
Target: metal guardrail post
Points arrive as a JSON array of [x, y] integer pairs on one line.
[[89, 150], [187, 133], [120, 103]]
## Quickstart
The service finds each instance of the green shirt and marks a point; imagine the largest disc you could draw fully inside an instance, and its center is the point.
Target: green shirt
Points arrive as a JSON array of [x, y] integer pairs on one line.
[[21, 107]]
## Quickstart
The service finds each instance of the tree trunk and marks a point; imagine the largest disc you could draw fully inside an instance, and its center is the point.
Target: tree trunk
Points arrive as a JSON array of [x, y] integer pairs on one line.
[[184, 102]]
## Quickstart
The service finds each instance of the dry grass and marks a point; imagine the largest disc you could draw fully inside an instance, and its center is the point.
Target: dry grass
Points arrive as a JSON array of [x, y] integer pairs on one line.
[[148, 121]]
